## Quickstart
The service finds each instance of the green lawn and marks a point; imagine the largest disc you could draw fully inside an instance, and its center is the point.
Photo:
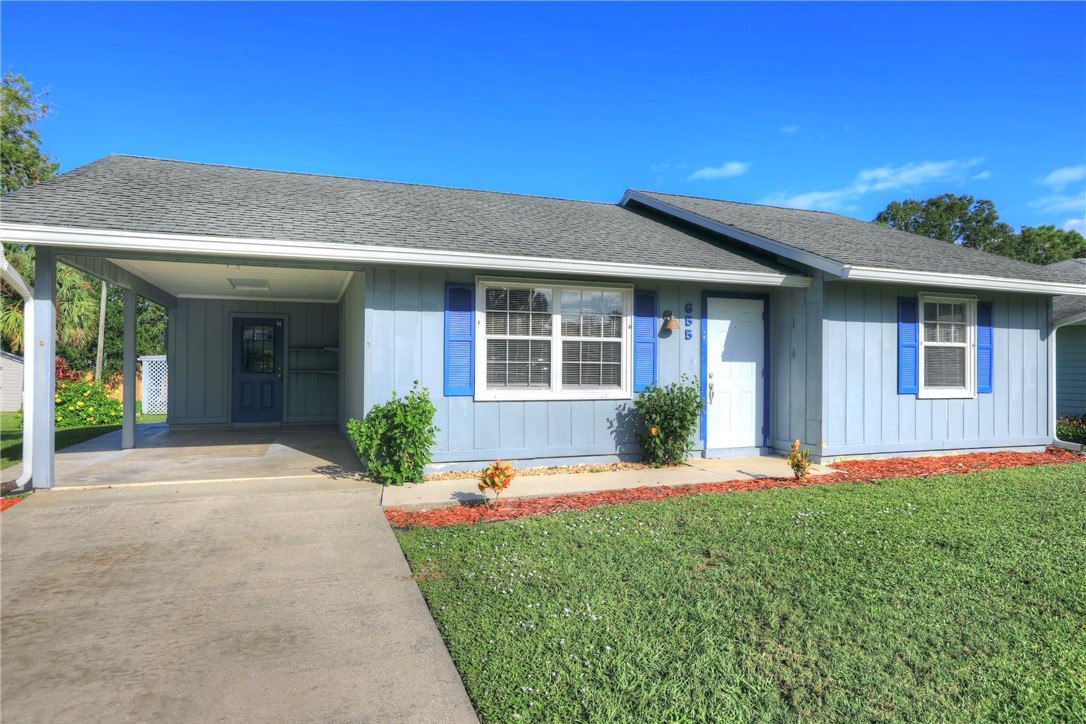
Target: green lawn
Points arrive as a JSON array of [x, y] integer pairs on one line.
[[956, 598], [11, 435]]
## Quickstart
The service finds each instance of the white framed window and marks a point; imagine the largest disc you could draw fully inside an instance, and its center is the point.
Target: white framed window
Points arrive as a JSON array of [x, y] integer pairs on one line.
[[540, 340], [948, 356]]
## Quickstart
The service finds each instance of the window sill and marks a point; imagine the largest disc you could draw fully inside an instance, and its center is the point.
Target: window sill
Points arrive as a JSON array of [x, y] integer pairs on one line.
[[549, 395], [948, 394]]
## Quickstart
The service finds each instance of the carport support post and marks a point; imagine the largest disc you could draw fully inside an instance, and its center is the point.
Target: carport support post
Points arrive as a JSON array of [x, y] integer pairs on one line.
[[44, 318], [128, 417]]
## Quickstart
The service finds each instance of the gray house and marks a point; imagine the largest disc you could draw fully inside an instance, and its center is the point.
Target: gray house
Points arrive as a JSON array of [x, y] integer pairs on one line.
[[298, 299], [1069, 319]]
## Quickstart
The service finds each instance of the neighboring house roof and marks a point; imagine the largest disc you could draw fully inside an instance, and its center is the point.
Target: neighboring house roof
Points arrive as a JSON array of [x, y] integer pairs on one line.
[[155, 196], [844, 242], [1069, 309]]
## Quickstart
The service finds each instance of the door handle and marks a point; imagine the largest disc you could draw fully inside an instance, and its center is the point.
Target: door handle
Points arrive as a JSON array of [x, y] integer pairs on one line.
[[711, 393]]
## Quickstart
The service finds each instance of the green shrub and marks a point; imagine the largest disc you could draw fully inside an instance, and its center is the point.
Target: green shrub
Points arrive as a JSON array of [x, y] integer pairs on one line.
[[669, 418], [1071, 429], [79, 404], [394, 440]]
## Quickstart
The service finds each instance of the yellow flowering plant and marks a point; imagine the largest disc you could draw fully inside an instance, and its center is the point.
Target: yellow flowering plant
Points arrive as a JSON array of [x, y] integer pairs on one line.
[[79, 404]]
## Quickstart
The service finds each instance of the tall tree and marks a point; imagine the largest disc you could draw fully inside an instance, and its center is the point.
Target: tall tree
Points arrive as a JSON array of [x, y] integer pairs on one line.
[[23, 163], [21, 157], [957, 219], [1042, 245]]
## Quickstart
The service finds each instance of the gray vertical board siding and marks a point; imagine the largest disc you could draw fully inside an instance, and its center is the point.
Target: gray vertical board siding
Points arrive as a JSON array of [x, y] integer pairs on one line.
[[1071, 371], [795, 325], [813, 374], [780, 369], [835, 377], [200, 352], [404, 341], [872, 363], [891, 413], [868, 417]]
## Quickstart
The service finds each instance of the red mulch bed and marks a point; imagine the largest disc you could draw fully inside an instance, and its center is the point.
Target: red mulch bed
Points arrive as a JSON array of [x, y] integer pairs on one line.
[[847, 471], [6, 503]]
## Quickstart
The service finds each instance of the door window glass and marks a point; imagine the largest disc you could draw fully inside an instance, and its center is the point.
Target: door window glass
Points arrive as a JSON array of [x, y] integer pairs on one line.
[[258, 348]]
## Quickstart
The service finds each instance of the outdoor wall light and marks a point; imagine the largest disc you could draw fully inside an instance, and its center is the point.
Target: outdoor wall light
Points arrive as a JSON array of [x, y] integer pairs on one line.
[[669, 320]]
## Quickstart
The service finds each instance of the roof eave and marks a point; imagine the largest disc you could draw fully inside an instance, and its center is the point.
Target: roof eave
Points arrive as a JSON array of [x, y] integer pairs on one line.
[[281, 249], [786, 251], [1071, 319], [962, 281]]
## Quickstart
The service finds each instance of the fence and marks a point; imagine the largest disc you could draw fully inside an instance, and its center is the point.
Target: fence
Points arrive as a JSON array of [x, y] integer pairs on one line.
[[155, 384]]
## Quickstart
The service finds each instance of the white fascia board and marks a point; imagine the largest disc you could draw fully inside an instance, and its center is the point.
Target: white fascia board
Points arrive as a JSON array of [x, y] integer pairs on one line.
[[770, 245], [121, 241], [962, 281]]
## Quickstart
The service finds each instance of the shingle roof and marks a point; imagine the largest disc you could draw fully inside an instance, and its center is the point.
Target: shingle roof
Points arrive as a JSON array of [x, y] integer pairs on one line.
[[139, 194], [853, 242], [1068, 306]]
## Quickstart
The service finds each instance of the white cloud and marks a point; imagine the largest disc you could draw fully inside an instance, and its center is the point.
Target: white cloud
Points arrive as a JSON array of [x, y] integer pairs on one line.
[[789, 129], [1075, 203], [819, 200], [883, 178], [1061, 177], [982, 175], [1078, 225], [911, 174], [728, 170]]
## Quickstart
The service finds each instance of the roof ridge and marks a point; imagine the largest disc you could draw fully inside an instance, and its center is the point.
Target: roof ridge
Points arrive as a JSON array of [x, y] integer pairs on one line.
[[751, 203], [346, 178]]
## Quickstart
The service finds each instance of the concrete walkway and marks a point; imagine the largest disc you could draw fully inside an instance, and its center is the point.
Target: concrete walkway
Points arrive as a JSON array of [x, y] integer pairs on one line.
[[274, 600], [445, 493]]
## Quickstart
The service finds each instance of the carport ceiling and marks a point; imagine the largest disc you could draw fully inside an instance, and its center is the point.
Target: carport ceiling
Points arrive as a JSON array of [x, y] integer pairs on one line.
[[234, 281]]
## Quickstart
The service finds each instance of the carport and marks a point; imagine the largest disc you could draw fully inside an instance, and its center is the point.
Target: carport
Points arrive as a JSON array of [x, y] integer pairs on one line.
[[252, 340]]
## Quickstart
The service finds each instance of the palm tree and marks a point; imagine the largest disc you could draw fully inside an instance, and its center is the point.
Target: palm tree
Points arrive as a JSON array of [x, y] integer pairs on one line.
[[77, 305]]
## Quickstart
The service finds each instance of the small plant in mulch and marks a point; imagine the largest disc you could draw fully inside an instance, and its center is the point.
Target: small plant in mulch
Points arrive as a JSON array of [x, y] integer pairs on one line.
[[800, 461], [496, 477], [847, 471]]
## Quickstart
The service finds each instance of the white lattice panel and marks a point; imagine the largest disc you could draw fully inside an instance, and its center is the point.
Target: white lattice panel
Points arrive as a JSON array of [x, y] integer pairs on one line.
[[155, 384]]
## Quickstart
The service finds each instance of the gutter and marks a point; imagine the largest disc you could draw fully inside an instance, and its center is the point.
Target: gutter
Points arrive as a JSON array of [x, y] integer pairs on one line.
[[228, 247]]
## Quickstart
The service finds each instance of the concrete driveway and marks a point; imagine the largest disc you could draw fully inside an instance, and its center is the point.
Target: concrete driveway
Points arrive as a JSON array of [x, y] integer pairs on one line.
[[271, 600]]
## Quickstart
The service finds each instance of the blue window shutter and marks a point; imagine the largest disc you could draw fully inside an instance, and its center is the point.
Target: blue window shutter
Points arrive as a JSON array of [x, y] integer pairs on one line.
[[984, 347], [908, 347], [459, 340], [644, 340]]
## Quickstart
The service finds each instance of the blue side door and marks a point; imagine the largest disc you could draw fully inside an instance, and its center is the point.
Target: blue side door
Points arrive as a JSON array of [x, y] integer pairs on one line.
[[258, 370]]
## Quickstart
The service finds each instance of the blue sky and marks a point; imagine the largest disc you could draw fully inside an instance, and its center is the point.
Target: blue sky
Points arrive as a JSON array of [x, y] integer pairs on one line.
[[842, 107]]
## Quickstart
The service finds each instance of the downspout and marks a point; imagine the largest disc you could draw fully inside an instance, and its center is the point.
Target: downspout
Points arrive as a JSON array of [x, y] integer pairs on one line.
[[15, 280]]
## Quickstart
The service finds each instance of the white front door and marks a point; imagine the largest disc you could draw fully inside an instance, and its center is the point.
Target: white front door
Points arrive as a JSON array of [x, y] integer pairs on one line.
[[735, 362]]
